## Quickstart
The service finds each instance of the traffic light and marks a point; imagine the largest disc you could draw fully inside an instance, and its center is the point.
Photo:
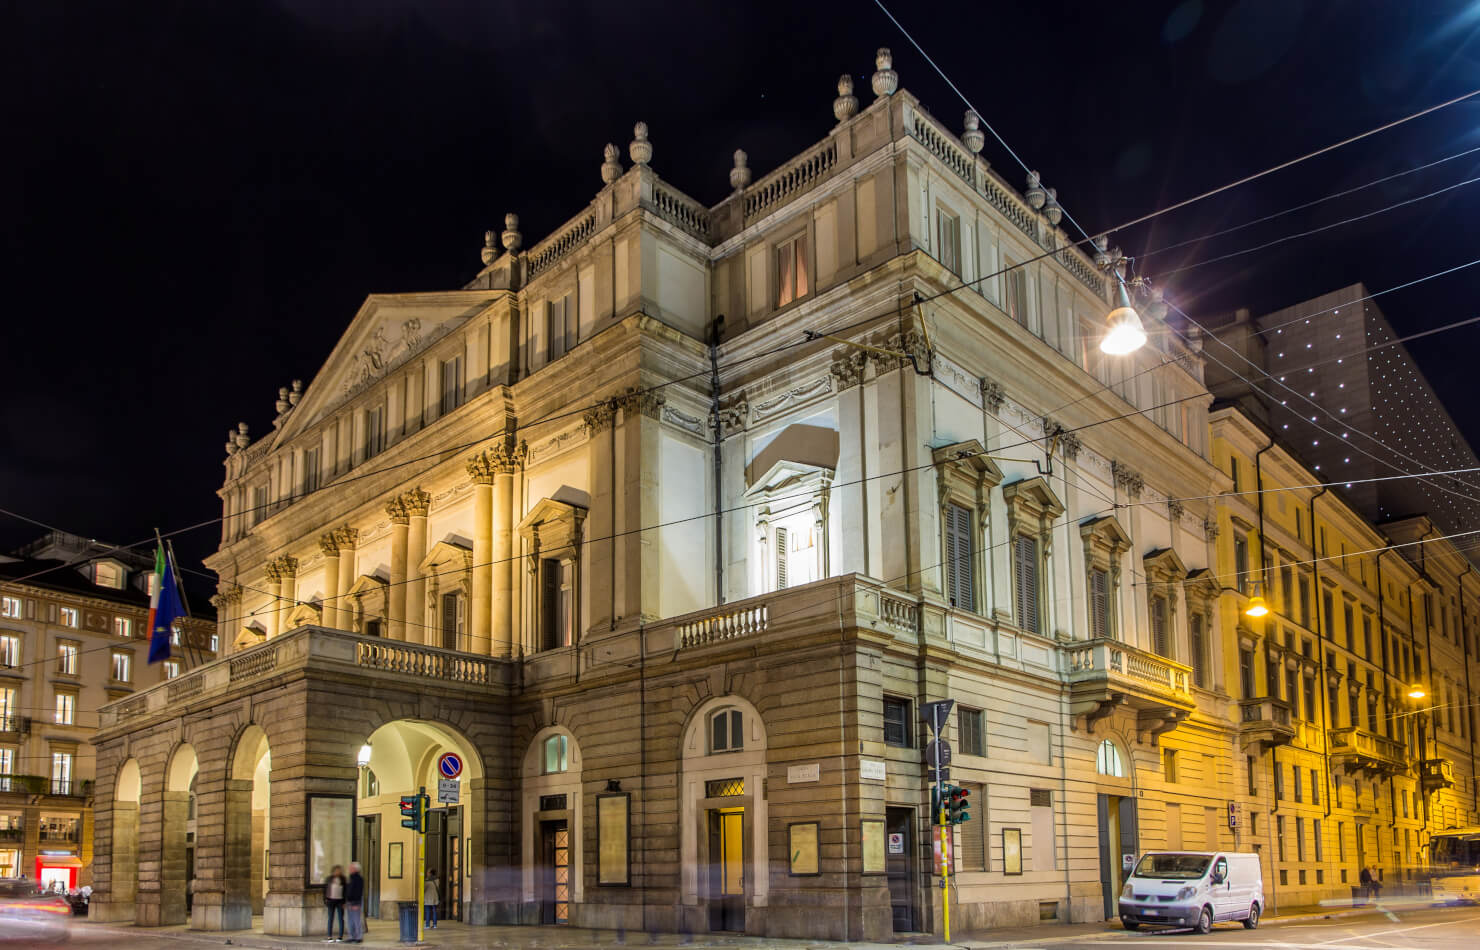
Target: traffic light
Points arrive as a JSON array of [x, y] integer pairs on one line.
[[957, 802], [411, 812]]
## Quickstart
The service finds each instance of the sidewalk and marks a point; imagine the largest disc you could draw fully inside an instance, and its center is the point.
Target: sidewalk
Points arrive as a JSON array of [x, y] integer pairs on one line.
[[383, 935]]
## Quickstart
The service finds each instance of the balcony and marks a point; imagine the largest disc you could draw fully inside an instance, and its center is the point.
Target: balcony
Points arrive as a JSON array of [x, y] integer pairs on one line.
[[12, 835], [1358, 750], [1105, 674], [1436, 774], [1265, 722], [41, 785], [70, 834], [13, 727]]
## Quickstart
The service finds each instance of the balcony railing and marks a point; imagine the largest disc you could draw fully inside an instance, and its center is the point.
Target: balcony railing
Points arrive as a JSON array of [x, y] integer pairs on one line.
[[1357, 748], [1110, 661], [1437, 774], [1265, 720], [15, 725], [41, 785], [70, 835], [10, 835]]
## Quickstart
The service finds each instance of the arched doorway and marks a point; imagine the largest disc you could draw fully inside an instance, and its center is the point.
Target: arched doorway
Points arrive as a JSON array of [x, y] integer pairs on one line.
[[248, 819], [177, 834], [723, 837], [123, 888], [552, 836], [1115, 805], [400, 758]]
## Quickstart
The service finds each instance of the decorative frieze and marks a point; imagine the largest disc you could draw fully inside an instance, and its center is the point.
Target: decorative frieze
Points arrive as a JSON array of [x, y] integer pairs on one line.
[[683, 421], [806, 392], [1066, 441], [1128, 479], [954, 377]]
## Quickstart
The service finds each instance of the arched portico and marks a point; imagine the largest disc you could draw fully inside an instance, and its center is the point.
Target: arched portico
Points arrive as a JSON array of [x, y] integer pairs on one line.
[[245, 834], [124, 844], [176, 862]]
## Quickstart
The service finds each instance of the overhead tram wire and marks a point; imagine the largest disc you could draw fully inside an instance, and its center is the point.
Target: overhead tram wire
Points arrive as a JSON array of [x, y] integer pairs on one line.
[[1195, 198], [924, 299]]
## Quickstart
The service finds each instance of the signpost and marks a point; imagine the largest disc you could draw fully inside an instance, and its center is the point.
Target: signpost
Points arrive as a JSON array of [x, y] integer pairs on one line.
[[938, 755]]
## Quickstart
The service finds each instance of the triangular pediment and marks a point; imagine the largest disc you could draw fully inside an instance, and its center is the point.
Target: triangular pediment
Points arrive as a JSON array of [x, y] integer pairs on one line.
[[446, 552], [387, 331]]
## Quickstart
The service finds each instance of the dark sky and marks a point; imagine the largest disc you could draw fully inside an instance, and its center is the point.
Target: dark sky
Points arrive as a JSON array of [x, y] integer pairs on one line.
[[198, 196]]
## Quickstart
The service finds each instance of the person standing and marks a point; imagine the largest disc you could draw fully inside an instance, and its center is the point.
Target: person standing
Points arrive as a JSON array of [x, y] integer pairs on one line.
[[430, 899], [1365, 879], [354, 903], [334, 900]]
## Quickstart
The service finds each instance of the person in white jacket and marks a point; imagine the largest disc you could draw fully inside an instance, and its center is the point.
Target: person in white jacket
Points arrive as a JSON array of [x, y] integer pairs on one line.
[[430, 899]]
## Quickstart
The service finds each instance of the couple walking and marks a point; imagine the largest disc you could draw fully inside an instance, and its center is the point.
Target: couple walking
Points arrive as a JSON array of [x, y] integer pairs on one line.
[[345, 897]]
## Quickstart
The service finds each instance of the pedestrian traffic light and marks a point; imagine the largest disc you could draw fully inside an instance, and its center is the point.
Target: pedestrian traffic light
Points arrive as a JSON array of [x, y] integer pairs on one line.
[[413, 816], [957, 802]]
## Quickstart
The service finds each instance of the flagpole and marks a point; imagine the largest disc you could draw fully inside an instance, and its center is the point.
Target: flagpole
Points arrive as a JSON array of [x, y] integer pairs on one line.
[[190, 651]]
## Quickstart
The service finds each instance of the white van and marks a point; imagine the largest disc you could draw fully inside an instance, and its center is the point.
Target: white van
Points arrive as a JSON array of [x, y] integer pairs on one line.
[[1193, 889]]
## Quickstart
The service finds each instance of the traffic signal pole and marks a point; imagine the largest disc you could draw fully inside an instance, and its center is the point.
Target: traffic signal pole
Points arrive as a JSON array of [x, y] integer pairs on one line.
[[945, 851], [421, 864]]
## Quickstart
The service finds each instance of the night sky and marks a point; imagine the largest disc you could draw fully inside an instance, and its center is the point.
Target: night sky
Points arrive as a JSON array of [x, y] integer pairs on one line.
[[198, 196]]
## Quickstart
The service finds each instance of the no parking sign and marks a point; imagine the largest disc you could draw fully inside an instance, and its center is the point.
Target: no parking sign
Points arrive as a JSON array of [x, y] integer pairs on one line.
[[450, 765]]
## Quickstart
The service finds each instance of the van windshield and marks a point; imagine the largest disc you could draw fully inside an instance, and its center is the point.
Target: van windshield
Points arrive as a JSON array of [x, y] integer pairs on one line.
[[1180, 866]]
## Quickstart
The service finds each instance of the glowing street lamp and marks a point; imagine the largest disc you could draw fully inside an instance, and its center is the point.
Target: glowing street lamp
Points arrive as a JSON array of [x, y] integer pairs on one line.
[[1257, 607], [363, 759], [1416, 691], [1124, 332]]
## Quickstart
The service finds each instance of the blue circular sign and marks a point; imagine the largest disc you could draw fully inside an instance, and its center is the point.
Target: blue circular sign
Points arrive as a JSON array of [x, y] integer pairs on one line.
[[450, 765]]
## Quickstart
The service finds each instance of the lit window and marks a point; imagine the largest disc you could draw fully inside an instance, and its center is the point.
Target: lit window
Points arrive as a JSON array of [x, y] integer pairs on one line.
[[175, 635], [67, 617], [66, 711], [67, 653], [791, 272], [215, 643], [10, 607], [107, 574], [726, 731], [1108, 760], [10, 651], [555, 754], [123, 666], [61, 773], [171, 669], [123, 627]]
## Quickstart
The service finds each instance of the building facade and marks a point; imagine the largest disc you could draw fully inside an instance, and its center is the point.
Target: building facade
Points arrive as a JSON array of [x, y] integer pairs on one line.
[[73, 620], [653, 539]]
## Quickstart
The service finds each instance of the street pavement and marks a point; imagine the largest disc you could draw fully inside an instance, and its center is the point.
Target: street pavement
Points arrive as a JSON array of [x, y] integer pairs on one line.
[[1390, 929]]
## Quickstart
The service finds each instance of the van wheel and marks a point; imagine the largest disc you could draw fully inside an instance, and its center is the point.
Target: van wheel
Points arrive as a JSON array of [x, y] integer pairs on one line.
[[1205, 921], [1129, 924], [1252, 921]]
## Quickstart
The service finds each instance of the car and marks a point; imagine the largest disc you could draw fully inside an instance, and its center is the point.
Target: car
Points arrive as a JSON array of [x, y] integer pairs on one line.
[[31, 918], [1193, 889]]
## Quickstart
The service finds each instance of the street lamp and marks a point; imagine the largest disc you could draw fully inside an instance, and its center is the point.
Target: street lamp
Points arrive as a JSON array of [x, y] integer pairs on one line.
[[1416, 691], [363, 759], [1124, 332], [1257, 607]]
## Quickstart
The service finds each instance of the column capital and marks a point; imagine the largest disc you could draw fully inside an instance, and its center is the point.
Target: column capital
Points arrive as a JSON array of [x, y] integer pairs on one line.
[[346, 537], [281, 568], [480, 469], [501, 459], [395, 509], [329, 544], [600, 418], [227, 595], [648, 402], [416, 502]]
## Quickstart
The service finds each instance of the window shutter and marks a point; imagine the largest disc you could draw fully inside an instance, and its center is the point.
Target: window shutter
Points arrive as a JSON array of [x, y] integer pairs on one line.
[[449, 621], [780, 558], [1199, 658], [1099, 603], [971, 841], [959, 566], [1159, 627], [1025, 579]]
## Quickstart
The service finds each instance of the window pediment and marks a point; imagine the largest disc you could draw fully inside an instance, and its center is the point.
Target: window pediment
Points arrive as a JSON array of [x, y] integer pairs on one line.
[[786, 475], [446, 553], [969, 460], [305, 615], [1104, 540], [1163, 564], [552, 526], [1031, 505], [1201, 587]]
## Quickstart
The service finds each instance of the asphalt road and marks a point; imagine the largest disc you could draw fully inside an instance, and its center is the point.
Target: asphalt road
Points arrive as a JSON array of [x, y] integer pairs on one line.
[[1442, 929]]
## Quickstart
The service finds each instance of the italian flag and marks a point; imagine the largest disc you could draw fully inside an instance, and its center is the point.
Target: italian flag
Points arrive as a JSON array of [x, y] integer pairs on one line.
[[165, 606]]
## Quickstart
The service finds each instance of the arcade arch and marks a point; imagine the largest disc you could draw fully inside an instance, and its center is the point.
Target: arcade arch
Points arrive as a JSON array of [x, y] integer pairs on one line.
[[397, 759], [723, 835], [177, 857], [552, 852], [124, 874], [248, 820]]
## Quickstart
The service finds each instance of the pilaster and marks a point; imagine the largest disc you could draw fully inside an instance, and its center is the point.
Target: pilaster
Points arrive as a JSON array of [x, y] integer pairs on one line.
[[417, 503], [396, 594]]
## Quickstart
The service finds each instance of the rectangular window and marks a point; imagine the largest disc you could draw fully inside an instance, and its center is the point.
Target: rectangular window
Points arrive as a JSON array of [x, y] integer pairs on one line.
[[1197, 638], [1309, 691], [11, 607], [310, 470], [1161, 635], [7, 767], [1241, 563], [66, 709], [1025, 581], [67, 653], [560, 317], [555, 606], [781, 552], [1304, 585], [1329, 614], [123, 666], [123, 627], [10, 652], [1099, 604], [1315, 788], [1341, 841], [1279, 834], [972, 853], [1333, 702], [374, 431], [726, 732], [791, 272], [1287, 590], [259, 505], [1299, 781], [1367, 636], [1169, 765], [1252, 776], [452, 384], [1292, 694], [452, 620], [1015, 301], [1279, 782], [897, 722], [1299, 839], [61, 773], [67, 617], [960, 573], [1246, 673], [171, 669], [948, 240], [969, 731]]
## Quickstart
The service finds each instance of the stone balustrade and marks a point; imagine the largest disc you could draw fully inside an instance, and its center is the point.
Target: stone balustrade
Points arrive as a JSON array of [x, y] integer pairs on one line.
[[797, 177], [1357, 748], [553, 249], [1116, 663], [681, 210]]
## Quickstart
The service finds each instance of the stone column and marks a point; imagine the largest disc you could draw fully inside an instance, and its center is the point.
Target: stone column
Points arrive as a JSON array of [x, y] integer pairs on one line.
[[346, 538], [506, 465], [400, 524], [602, 581], [287, 567], [122, 852], [172, 881], [481, 470], [331, 614], [236, 901], [417, 502], [274, 588]]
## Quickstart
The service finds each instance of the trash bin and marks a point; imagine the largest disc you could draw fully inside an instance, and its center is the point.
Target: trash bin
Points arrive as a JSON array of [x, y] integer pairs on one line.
[[407, 910]]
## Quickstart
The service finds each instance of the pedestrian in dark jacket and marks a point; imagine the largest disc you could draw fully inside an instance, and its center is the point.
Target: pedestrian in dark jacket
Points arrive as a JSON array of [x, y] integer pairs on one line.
[[354, 903], [334, 886]]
